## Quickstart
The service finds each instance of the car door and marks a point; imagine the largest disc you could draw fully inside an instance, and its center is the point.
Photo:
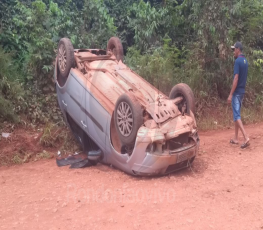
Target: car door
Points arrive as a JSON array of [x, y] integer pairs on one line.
[[96, 119], [74, 95]]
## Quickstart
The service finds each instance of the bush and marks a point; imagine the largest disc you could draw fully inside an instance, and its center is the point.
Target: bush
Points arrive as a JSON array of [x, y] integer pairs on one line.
[[10, 89], [210, 80], [167, 41], [160, 66]]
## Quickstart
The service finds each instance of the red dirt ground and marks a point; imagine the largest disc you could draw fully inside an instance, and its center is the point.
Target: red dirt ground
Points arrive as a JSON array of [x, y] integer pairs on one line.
[[223, 190], [21, 141]]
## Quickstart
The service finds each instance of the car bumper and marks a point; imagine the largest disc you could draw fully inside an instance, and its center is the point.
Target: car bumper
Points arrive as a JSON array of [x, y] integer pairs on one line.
[[154, 164], [163, 161]]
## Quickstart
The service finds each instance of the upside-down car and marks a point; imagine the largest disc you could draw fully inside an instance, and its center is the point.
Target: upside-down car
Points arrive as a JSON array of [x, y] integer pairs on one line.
[[118, 117]]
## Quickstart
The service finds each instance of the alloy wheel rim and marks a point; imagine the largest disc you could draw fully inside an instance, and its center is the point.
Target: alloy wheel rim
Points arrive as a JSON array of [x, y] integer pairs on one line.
[[125, 119], [62, 58]]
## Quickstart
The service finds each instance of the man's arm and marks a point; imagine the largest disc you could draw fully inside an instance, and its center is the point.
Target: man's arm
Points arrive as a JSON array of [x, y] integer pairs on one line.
[[234, 85]]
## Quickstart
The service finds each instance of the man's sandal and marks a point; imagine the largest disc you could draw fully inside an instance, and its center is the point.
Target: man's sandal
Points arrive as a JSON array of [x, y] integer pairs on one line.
[[244, 145], [233, 142]]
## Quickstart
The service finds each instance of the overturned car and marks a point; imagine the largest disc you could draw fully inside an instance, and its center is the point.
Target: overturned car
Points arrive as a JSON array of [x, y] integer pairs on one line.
[[118, 117]]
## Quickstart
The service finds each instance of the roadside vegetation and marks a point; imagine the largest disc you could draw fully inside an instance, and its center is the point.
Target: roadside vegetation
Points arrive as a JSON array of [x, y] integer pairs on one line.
[[166, 42]]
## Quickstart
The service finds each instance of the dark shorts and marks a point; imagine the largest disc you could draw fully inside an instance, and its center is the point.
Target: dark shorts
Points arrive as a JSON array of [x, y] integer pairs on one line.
[[236, 105]]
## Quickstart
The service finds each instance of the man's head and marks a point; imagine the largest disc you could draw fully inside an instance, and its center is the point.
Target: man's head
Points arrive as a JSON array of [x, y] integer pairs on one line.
[[237, 48]]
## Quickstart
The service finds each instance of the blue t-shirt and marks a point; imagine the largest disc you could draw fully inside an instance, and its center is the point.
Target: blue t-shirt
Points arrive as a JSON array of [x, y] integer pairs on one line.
[[241, 68]]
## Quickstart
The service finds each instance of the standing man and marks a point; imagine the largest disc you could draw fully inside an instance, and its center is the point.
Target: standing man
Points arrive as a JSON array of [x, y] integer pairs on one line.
[[237, 92]]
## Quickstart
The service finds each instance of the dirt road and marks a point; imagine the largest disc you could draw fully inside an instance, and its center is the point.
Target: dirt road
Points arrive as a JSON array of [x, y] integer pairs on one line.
[[223, 190]]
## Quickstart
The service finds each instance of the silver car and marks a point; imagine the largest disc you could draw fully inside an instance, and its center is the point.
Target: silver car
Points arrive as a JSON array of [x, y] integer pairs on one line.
[[118, 117]]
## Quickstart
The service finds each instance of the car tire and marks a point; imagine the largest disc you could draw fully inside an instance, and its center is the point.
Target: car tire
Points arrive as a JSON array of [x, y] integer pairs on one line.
[[188, 97], [115, 46], [128, 118], [65, 57]]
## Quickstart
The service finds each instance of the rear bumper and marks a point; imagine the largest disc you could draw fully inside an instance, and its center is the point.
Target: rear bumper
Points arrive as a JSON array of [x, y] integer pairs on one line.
[[154, 164]]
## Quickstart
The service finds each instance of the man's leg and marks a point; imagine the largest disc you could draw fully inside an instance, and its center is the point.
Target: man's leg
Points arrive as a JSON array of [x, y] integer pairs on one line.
[[235, 113], [237, 103], [240, 125], [236, 132]]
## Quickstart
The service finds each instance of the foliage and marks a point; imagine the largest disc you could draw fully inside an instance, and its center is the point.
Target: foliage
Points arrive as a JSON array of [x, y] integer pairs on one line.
[[160, 67], [216, 25], [10, 89], [255, 80], [34, 31], [52, 135], [31, 31], [17, 159], [118, 10], [96, 25], [148, 24], [166, 42]]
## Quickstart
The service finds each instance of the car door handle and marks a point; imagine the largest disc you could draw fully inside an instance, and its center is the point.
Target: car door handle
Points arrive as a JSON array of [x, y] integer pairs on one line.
[[85, 126], [64, 103]]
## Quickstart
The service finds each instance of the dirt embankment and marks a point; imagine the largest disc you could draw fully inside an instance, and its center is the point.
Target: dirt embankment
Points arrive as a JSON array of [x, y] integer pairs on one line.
[[222, 190], [27, 144]]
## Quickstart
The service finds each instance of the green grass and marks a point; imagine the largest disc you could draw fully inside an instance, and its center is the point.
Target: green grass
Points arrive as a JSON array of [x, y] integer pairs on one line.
[[17, 159], [58, 137], [52, 135], [43, 155], [222, 117]]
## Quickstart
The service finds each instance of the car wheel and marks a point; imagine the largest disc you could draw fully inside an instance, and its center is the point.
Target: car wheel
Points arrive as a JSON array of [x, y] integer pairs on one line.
[[65, 56], [115, 46], [128, 118], [188, 101]]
